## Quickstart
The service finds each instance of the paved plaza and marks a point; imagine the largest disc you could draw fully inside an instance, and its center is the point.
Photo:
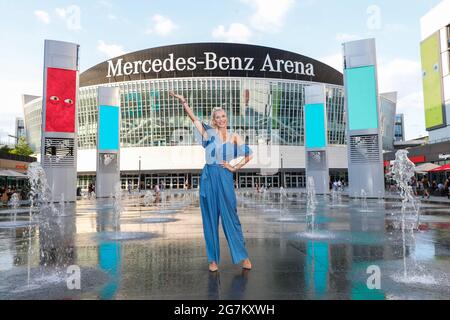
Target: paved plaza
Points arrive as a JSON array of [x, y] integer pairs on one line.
[[156, 250]]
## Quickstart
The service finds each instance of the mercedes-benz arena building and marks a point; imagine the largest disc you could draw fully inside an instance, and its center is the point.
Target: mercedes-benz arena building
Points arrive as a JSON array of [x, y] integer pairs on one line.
[[261, 89]]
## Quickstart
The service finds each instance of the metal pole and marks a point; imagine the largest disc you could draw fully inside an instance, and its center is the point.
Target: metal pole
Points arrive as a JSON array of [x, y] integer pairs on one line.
[[139, 178]]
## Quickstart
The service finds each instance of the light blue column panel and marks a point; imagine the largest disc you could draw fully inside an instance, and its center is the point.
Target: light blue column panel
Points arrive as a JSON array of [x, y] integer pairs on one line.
[[108, 133], [362, 98], [108, 141], [315, 126], [316, 140]]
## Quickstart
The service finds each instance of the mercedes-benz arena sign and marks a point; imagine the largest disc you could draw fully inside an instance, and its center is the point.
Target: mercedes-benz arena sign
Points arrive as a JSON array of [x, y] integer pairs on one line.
[[210, 60]]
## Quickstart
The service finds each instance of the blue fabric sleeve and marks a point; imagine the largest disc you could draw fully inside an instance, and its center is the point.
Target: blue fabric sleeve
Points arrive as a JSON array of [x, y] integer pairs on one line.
[[199, 137], [242, 150]]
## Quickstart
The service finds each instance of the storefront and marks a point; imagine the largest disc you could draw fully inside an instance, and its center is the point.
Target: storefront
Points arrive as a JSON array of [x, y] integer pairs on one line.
[[437, 153], [13, 170]]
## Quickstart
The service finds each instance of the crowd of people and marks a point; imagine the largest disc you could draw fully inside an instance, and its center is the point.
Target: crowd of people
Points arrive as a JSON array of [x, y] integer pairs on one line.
[[427, 188], [337, 185], [6, 193]]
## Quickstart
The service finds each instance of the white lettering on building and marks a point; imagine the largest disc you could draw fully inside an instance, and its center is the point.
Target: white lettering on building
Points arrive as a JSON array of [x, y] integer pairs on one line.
[[210, 62]]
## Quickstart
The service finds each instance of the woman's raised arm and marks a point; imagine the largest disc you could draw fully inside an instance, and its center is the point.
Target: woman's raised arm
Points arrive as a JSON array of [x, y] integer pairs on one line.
[[190, 113]]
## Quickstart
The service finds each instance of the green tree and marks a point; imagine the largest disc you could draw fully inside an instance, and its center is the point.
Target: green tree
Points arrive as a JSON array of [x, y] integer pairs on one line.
[[5, 149], [22, 148]]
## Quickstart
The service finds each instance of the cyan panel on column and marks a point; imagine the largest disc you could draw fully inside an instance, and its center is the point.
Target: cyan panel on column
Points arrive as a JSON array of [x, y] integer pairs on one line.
[[108, 134], [315, 126], [362, 98]]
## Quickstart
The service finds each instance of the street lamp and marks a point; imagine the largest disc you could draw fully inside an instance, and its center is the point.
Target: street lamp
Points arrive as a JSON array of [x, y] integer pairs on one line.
[[139, 177], [282, 173], [17, 138]]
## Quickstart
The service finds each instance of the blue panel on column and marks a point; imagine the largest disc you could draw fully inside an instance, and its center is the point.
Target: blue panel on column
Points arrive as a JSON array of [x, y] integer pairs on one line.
[[362, 98], [109, 128], [315, 126]]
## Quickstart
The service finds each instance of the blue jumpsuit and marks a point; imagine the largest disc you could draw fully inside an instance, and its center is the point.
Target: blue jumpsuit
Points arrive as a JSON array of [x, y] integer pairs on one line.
[[217, 197]]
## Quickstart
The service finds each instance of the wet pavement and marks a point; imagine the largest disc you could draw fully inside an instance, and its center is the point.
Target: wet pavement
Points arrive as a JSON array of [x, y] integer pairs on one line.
[[157, 251]]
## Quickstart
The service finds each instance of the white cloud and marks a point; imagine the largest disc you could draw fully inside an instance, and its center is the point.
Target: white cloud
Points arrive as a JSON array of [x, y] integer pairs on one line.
[[412, 107], [405, 77], [237, 32], [269, 15], [346, 37], [396, 27], [400, 75], [334, 60], [112, 17], [71, 16], [11, 92], [42, 16], [106, 4], [162, 26], [110, 50]]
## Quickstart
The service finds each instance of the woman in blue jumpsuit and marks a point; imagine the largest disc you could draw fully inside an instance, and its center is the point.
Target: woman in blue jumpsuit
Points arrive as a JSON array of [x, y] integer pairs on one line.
[[217, 196]]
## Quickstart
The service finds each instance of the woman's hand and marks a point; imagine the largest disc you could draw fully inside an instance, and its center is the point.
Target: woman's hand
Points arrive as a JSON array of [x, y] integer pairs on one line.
[[228, 166], [178, 96]]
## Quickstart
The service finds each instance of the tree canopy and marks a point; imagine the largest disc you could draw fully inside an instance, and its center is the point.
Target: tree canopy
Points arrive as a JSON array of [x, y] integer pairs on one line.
[[22, 148]]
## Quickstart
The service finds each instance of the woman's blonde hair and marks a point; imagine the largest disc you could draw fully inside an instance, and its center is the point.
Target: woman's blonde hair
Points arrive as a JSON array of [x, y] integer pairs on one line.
[[213, 114]]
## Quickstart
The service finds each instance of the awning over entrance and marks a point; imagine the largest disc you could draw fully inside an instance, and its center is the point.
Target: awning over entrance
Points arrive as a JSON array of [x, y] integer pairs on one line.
[[426, 167], [444, 168], [12, 174]]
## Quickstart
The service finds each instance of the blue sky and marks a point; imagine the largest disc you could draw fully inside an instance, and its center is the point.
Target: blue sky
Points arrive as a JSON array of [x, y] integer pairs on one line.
[[314, 28]]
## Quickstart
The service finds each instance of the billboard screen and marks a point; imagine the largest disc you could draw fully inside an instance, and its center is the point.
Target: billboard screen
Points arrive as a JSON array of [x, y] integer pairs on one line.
[[361, 88], [108, 134], [315, 126], [60, 100], [432, 81]]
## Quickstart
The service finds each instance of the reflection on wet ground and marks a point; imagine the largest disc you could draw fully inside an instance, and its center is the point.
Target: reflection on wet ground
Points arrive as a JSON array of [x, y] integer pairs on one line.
[[157, 251]]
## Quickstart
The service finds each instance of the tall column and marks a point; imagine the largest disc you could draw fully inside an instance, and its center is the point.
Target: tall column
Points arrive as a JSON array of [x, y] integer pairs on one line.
[[59, 118], [315, 118], [365, 158], [108, 143]]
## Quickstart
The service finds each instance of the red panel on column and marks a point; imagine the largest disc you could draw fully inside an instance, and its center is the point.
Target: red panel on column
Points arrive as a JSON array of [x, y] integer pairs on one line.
[[60, 100]]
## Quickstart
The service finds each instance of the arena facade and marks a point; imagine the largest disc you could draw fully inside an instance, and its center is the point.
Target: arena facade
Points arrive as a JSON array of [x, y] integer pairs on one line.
[[261, 89]]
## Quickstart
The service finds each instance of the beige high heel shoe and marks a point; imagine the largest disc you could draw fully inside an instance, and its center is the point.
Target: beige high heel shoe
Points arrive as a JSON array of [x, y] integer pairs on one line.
[[247, 265], [213, 267]]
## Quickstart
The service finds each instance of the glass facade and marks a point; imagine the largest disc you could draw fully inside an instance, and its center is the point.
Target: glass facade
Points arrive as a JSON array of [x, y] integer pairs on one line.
[[399, 134], [270, 109], [256, 108]]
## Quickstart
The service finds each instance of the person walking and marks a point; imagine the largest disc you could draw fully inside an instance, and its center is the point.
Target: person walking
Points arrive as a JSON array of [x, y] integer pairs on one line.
[[447, 187], [414, 185], [217, 195], [426, 188]]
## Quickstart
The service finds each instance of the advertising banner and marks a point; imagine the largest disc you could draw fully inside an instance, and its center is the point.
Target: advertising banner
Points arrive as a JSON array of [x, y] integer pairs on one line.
[[432, 82], [60, 100]]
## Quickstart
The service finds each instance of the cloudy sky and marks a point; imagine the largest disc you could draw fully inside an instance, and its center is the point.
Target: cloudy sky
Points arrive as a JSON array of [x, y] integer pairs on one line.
[[314, 28]]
